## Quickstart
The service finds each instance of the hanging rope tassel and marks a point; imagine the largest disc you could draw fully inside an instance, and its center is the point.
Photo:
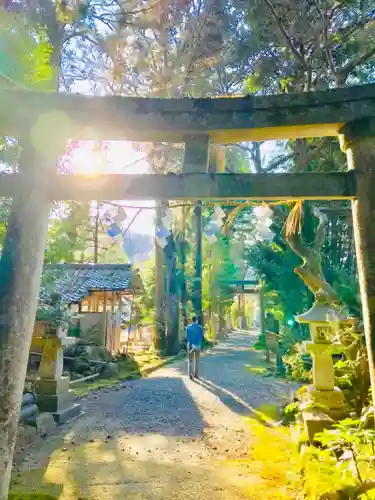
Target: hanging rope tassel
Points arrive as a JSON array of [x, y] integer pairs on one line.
[[293, 224]]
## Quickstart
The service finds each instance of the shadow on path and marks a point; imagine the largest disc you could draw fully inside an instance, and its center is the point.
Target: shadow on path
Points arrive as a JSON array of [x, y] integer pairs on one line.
[[223, 372], [152, 405], [233, 402], [149, 439]]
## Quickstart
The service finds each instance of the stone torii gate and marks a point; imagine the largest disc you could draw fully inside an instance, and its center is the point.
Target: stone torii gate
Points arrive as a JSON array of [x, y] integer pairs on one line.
[[44, 122]]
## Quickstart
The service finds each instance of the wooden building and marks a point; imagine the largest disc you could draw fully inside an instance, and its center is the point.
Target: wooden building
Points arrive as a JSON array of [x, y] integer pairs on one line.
[[97, 295]]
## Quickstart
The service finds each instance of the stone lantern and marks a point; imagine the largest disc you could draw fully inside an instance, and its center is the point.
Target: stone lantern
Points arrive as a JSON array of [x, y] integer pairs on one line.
[[324, 323], [52, 389]]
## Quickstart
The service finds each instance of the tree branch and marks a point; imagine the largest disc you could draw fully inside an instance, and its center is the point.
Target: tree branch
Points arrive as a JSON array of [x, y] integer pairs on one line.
[[275, 163], [285, 33], [346, 32], [343, 73], [311, 271], [326, 45]]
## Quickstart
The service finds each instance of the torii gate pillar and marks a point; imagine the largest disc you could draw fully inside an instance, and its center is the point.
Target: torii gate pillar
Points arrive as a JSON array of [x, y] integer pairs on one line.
[[20, 273], [357, 139]]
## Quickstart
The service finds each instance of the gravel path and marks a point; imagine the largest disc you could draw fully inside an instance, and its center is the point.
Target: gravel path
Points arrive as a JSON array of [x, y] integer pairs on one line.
[[162, 437]]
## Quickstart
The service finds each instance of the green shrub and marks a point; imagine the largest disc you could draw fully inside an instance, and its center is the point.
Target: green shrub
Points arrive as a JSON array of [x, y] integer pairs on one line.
[[296, 365], [342, 464]]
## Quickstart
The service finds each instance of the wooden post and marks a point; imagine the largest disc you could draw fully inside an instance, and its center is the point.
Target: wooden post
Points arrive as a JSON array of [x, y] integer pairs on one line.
[[105, 325], [358, 141], [171, 299], [20, 272], [113, 325], [196, 160]]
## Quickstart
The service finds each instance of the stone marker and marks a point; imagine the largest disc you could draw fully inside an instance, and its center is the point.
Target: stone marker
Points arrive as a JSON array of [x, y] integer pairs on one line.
[[52, 388]]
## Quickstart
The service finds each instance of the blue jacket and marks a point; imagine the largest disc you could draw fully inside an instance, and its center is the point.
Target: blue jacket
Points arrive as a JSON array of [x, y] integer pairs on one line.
[[194, 334]]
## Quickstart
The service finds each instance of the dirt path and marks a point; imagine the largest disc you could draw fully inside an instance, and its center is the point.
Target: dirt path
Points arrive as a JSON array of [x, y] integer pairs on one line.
[[165, 437]]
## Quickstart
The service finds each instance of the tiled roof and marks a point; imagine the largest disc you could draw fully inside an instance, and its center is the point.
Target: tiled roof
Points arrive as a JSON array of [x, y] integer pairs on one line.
[[73, 282]]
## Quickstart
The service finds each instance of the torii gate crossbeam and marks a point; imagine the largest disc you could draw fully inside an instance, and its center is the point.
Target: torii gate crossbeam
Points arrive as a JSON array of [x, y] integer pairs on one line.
[[200, 186]]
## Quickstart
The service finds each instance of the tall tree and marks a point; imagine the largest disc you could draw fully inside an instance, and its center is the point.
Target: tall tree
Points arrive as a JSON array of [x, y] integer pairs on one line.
[[306, 46]]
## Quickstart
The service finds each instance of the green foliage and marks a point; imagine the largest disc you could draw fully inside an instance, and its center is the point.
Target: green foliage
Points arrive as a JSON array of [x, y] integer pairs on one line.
[[219, 270], [368, 495], [352, 372], [53, 310], [5, 205], [345, 282], [25, 53], [305, 46], [67, 232], [297, 367], [344, 463], [290, 412], [25, 62], [285, 293]]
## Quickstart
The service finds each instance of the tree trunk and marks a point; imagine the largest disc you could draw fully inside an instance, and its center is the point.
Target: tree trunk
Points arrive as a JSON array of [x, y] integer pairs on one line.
[[20, 272], [159, 336], [96, 233], [172, 316], [183, 288], [184, 298], [222, 325], [262, 307], [172, 310], [197, 290]]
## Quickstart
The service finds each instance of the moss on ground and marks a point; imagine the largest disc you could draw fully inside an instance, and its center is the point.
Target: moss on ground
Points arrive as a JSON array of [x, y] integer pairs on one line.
[[30, 496], [130, 368], [257, 370], [33, 480], [275, 467]]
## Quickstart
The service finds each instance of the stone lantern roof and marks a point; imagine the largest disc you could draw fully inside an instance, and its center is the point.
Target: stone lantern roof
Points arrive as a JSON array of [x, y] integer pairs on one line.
[[321, 313]]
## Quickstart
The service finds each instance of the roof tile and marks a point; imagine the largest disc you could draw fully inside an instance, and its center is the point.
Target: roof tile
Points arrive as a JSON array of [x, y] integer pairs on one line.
[[74, 281]]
